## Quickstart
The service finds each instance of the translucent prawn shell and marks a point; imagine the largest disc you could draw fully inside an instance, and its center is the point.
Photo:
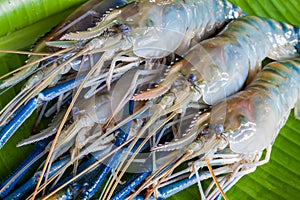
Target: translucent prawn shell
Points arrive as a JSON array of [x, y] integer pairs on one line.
[[224, 63], [160, 29], [154, 23], [252, 118], [249, 124], [220, 63]]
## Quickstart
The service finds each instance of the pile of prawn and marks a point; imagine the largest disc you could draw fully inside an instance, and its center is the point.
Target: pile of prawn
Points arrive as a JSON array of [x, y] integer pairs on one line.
[[138, 88]]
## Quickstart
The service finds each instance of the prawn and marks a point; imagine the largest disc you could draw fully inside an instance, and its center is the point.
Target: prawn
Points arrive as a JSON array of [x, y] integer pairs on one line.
[[245, 124], [117, 36], [153, 30], [224, 65], [219, 66], [46, 71], [156, 29], [62, 61]]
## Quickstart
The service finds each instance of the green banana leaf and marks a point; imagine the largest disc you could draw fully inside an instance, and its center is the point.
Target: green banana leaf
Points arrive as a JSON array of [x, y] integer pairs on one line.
[[22, 22]]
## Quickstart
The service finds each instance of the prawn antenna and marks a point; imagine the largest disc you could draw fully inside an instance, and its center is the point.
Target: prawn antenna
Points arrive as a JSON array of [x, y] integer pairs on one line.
[[215, 178]]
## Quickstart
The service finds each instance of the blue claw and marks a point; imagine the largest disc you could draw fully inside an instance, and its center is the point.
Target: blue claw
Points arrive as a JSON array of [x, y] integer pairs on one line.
[[178, 186], [102, 171], [17, 121], [130, 185], [298, 46], [25, 112], [81, 167], [30, 184], [35, 155]]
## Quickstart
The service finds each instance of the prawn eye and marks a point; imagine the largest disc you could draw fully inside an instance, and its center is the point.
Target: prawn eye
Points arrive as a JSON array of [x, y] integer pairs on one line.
[[219, 128], [192, 78], [149, 22], [243, 119], [124, 29]]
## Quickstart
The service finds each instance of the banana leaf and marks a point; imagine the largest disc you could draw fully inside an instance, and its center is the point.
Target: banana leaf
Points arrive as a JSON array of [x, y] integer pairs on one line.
[[22, 22]]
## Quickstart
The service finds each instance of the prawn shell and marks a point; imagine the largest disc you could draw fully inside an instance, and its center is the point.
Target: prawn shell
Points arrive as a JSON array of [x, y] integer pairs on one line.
[[164, 37], [259, 116], [252, 118]]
